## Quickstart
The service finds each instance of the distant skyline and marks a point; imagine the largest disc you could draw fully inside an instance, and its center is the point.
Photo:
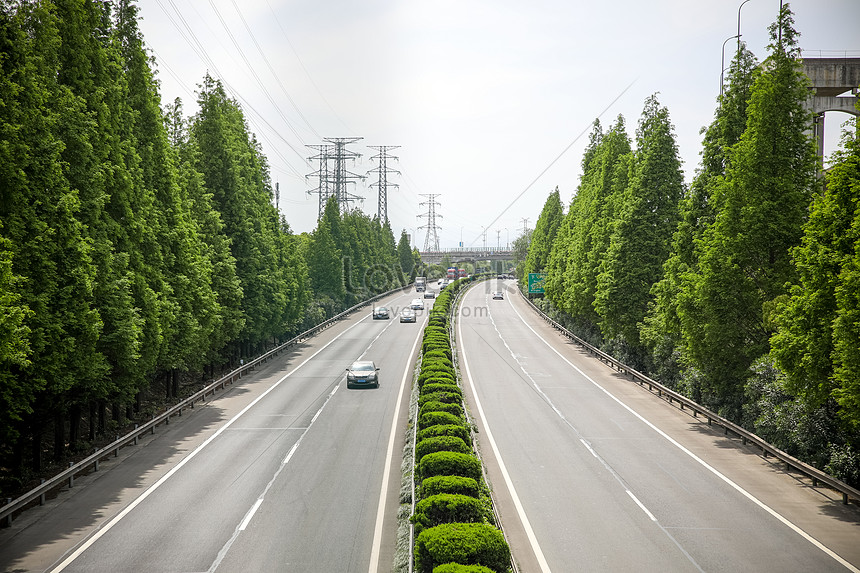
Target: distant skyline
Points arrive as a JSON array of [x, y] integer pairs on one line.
[[480, 96]]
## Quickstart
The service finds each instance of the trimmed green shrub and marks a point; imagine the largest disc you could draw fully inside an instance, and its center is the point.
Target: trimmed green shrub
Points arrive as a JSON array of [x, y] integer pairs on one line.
[[437, 354], [447, 397], [436, 365], [444, 350], [449, 464], [431, 387], [446, 508], [437, 361], [457, 430], [440, 444], [433, 418], [457, 568], [449, 484], [436, 377], [455, 409], [463, 543]]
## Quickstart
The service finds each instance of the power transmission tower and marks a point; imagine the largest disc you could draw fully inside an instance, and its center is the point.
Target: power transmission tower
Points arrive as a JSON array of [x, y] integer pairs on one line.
[[431, 242], [322, 174], [382, 183], [340, 177]]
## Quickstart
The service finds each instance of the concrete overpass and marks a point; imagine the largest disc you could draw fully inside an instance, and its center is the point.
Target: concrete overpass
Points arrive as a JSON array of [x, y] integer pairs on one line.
[[830, 78], [464, 255]]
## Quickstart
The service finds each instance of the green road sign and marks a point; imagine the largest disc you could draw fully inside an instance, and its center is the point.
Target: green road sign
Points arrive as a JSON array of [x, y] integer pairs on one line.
[[536, 281]]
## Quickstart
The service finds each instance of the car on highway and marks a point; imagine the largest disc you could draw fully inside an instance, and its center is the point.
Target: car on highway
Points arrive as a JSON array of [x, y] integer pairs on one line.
[[429, 294], [381, 312], [417, 304], [362, 373], [498, 295], [407, 315]]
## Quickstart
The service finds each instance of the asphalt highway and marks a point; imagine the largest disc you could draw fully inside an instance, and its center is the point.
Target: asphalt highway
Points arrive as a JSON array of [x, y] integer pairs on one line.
[[593, 473], [286, 471]]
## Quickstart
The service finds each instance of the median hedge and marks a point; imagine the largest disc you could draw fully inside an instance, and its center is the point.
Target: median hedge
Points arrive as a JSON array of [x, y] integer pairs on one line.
[[458, 430], [436, 406], [457, 568], [440, 396], [447, 508], [452, 517], [449, 484], [463, 543], [450, 464], [428, 419], [440, 444], [431, 387]]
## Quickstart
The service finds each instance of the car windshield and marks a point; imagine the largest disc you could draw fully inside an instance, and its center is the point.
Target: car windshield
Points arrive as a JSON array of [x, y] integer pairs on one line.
[[363, 367]]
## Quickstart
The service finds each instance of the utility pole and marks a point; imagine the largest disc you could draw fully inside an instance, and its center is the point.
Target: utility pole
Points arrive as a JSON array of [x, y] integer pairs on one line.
[[322, 175], [498, 239], [382, 183], [340, 176], [525, 221], [431, 242]]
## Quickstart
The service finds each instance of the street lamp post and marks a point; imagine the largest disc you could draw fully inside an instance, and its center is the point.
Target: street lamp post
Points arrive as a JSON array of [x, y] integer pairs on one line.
[[739, 23], [723, 65]]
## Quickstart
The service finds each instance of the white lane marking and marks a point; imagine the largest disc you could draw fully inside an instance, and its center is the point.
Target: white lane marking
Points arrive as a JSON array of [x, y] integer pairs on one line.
[[544, 566], [704, 464], [376, 546], [128, 509], [250, 514], [588, 446], [641, 506], [226, 547]]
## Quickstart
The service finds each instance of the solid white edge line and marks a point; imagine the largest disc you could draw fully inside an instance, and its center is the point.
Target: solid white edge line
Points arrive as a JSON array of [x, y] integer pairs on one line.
[[109, 525], [544, 566], [376, 546], [704, 464]]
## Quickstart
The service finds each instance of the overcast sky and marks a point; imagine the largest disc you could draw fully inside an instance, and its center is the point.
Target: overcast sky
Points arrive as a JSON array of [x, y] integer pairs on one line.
[[482, 96]]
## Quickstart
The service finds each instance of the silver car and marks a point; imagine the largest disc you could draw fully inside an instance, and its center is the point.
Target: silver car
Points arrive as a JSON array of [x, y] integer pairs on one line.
[[407, 315], [362, 373]]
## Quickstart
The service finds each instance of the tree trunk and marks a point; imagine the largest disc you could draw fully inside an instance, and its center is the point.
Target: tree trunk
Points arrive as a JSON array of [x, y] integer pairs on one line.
[[175, 376], [102, 421], [59, 436], [36, 444], [92, 428], [74, 426]]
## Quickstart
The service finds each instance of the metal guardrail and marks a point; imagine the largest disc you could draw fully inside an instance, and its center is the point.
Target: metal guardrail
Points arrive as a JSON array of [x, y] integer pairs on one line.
[[791, 463], [67, 477]]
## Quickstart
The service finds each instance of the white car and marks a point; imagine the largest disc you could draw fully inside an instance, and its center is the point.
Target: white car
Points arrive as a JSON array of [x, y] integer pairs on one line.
[[498, 295], [417, 304], [380, 312]]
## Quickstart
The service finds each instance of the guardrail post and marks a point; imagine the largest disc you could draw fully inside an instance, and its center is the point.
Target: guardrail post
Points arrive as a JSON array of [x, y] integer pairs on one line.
[[41, 497], [135, 435], [71, 477], [96, 464], [167, 420], [7, 521], [845, 498]]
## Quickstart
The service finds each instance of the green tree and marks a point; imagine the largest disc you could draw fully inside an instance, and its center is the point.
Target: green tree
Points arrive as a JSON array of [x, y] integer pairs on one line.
[[545, 231], [404, 256], [325, 264], [760, 206], [661, 329], [641, 240], [816, 342]]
